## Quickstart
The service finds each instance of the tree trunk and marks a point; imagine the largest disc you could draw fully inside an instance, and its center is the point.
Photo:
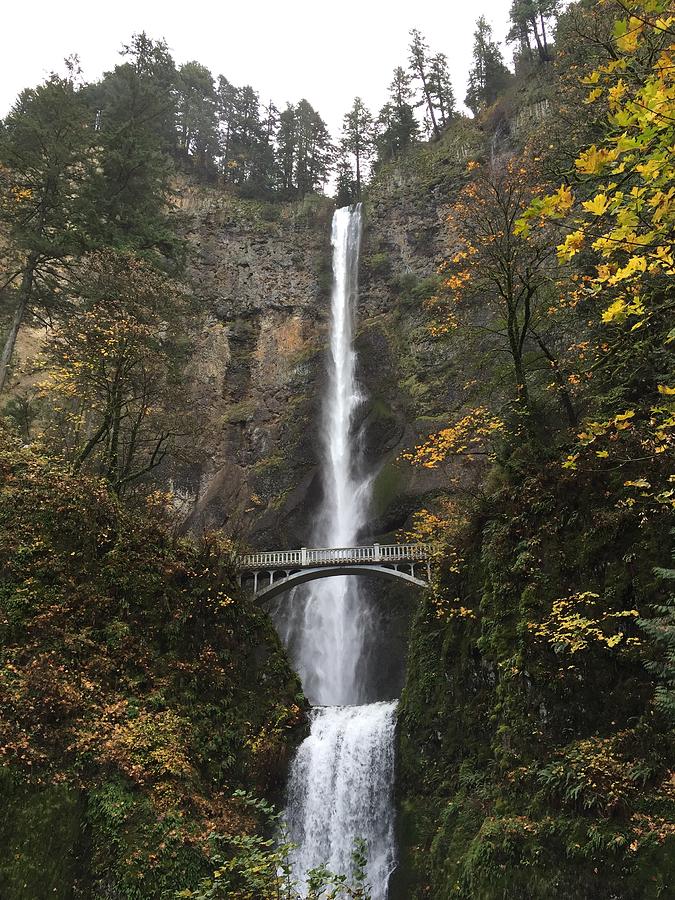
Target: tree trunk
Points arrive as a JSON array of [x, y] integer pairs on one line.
[[543, 35], [24, 297], [540, 46], [522, 393], [430, 105], [563, 393]]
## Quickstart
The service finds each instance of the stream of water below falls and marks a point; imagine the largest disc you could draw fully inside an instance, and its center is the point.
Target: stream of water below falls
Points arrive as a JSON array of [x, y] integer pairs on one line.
[[340, 786]]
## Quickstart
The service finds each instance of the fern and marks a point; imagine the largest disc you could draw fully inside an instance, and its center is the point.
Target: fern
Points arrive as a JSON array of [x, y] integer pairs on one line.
[[660, 629]]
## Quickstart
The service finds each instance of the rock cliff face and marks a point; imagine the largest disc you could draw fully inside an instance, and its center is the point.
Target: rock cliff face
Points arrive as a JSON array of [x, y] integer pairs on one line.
[[262, 275]]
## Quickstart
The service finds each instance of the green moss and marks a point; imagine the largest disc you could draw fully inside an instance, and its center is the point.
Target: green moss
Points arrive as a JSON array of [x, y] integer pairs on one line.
[[239, 412], [526, 771], [43, 850], [388, 485], [378, 264]]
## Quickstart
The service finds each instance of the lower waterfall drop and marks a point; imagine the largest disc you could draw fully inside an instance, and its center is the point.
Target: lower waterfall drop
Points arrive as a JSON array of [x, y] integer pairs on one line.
[[340, 786]]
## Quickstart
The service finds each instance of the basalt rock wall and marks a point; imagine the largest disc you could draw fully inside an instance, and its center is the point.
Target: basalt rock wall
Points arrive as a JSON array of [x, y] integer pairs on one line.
[[262, 276]]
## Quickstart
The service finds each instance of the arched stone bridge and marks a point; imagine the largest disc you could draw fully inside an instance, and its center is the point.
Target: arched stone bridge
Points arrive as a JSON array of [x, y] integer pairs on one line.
[[277, 571]]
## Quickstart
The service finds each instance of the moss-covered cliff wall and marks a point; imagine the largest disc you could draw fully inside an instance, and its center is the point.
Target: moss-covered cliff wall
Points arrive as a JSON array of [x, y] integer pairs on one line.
[[532, 762]]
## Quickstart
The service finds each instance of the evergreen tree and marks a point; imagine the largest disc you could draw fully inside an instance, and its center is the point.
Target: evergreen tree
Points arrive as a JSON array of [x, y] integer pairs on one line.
[[304, 151], [530, 20], [440, 88], [248, 135], [396, 126], [196, 116], [345, 187], [420, 69], [313, 150], [357, 139], [488, 76], [43, 145], [130, 173], [286, 149], [226, 110], [246, 138]]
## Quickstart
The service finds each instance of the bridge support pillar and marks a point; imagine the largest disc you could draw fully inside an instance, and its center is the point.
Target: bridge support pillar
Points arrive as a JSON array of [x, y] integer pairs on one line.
[[377, 556], [303, 556], [255, 582]]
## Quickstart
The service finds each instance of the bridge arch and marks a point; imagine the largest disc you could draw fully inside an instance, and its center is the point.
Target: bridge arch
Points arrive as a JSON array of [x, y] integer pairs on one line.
[[302, 576]]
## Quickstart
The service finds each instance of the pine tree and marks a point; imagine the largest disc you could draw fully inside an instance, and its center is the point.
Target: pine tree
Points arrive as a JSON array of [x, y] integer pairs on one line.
[[130, 175], [345, 187], [419, 67], [357, 139], [396, 126], [488, 76], [43, 144], [440, 86], [314, 150], [261, 181], [226, 110], [196, 116], [286, 150], [530, 20]]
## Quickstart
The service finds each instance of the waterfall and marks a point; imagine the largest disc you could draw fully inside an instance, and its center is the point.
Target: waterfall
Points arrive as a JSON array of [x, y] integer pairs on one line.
[[341, 787], [340, 783]]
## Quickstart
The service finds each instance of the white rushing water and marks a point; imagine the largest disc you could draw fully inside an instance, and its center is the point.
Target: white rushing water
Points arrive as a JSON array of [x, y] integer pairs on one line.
[[340, 783], [341, 787]]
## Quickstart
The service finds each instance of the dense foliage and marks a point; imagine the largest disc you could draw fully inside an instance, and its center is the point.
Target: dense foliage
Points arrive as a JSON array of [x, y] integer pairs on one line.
[[138, 691], [536, 742]]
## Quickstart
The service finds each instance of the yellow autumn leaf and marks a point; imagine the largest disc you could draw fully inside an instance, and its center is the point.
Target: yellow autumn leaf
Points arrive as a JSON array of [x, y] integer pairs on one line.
[[592, 161], [563, 199], [570, 246], [628, 41], [617, 92], [615, 312], [635, 264], [667, 391], [598, 205], [594, 94]]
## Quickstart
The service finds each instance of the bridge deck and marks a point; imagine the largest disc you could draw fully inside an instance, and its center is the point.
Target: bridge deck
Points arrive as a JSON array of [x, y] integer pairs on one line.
[[375, 554]]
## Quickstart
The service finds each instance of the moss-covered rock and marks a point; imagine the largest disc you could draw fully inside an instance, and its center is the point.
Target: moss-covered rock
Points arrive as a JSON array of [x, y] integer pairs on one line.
[[531, 761]]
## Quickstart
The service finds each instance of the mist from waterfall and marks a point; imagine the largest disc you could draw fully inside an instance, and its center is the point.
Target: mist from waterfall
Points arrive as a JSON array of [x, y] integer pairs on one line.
[[341, 781]]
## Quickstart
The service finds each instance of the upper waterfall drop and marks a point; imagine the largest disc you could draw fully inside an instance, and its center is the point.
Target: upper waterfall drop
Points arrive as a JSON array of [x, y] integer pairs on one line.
[[343, 511], [326, 623]]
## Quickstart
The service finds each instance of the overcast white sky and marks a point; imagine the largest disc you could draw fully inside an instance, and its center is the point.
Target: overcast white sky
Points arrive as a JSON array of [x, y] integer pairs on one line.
[[328, 52]]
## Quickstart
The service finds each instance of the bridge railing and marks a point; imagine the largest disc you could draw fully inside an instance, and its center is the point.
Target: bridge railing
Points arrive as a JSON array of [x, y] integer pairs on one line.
[[328, 556]]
